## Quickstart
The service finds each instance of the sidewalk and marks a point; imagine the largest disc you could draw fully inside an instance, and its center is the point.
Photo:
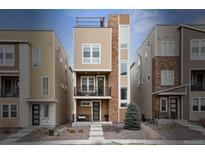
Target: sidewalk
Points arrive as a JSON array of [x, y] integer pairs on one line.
[[15, 137]]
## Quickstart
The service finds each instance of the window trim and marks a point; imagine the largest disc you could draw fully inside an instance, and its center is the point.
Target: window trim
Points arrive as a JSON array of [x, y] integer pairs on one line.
[[128, 26], [167, 54], [199, 106], [161, 98], [81, 83], [33, 57], [124, 61], [123, 100], [4, 55], [169, 84], [91, 52], [42, 86], [191, 57], [81, 103]]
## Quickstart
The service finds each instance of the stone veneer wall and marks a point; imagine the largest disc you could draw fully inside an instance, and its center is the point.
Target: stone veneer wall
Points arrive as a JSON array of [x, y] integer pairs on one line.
[[158, 64], [113, 76]]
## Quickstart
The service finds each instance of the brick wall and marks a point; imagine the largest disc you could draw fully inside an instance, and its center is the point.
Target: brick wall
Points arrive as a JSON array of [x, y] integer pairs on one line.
[[113, 76]]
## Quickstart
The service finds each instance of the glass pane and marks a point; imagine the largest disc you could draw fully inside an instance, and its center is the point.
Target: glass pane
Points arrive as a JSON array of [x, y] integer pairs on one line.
[[13, 114], [123, 104], [96, 54], [13, 107], [86, 61], [45, 86], [123, 68], [95, 61], [5, 107], [86, 54], [5, 114], [46, 110], [123, 93], [124, 35]]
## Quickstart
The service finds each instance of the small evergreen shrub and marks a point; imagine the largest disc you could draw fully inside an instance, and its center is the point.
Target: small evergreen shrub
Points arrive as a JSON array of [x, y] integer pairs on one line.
[[132, 117]]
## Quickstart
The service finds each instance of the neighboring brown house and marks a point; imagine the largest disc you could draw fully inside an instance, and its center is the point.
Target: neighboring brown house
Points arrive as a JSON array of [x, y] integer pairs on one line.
[[35, 79], [168, 76], [101, 76]]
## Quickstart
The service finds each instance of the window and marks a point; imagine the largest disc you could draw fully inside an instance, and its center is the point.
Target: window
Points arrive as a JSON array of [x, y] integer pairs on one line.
[[85, 103], [5, 112], [36, 57], [88, 83], [13, 111], [198, 80], [46, 110], [91, 53], [123, 97], [45, 86], [167, 48], [7, 54], [195, 104], [202, 104], [123, 68], [198, 49], [124, 36], [167, 77], [163, 104]]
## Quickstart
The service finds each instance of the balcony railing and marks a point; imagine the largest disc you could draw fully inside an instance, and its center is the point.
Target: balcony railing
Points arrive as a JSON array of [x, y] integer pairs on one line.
[[94, 91], [8, 93]]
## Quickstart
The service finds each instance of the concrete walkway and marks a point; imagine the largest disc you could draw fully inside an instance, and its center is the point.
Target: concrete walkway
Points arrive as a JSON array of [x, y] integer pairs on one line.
[[96, 132], [15, 137], [193, 127]]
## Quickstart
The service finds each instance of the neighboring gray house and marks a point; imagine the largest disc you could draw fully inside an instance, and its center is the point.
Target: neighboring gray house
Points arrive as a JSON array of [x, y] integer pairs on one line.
[[168, 76]]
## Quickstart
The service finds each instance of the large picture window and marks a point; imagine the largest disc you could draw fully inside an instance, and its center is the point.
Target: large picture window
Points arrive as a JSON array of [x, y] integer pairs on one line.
[[88, 83], [198, 49], [91, 53]]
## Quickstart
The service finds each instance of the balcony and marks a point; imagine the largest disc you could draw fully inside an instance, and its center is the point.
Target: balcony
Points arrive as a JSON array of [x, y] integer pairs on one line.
[[94, 91], [9, 93]]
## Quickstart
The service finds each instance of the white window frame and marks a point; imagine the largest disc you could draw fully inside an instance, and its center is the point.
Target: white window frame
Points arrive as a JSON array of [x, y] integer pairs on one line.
[[199, 105], [128, 28], [167, 52], [4, 55], [81, 82], [83, 105], [123, 100], [42, 90], [33, 57], [166, 82], [9, 111], [200, 57], [44, 110], [163, 98], [123, 61], [91, 53]]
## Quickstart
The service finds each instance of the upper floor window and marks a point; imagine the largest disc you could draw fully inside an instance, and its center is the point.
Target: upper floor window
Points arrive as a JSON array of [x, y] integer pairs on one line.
[[7, 54], [91, 53], [45, 86], [36, 59], [167, 48], [198, 80], [198, 49], [88, 83], [123, 67], [167, 77], [124, 36]]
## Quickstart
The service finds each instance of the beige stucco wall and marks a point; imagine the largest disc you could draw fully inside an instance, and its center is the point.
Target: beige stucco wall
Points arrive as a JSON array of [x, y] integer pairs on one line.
[[9, 122], [92, 35]]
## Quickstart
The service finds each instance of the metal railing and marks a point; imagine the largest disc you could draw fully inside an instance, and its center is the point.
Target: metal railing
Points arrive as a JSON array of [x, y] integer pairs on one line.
[[90, 21], [8, 93], [94, 91]]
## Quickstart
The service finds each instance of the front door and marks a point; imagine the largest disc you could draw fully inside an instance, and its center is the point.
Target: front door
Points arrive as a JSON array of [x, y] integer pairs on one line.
[[96, 111], [101, 86], [173, 108], [35, 114]]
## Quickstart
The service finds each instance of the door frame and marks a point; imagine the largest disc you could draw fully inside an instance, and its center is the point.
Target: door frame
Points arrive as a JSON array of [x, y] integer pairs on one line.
[[177, 105], [97, 82], [32, 114], [99, 101]]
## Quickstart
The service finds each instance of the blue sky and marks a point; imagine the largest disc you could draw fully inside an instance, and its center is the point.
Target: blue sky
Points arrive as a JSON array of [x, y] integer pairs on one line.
[[63, 21]]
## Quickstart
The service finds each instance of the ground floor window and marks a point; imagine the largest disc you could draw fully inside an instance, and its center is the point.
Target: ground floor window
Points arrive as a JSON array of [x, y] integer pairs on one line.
[[13, 111], [198, 104], [46, 110], [8, 111], [163, 104], [5, 111], [85, 103], [123, 97]]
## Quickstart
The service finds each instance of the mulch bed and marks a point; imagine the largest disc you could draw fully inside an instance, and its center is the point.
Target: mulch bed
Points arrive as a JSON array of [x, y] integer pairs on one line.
[[67, 133], [4, 132], [152, 132]]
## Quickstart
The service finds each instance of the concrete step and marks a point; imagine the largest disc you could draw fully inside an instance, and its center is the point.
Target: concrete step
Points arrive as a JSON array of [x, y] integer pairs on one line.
[[96, 138], [96, 133], [95, 129]]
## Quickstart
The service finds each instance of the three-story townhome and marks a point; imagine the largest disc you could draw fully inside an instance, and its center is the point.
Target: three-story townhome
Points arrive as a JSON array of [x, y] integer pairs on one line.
[[101, 59]]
